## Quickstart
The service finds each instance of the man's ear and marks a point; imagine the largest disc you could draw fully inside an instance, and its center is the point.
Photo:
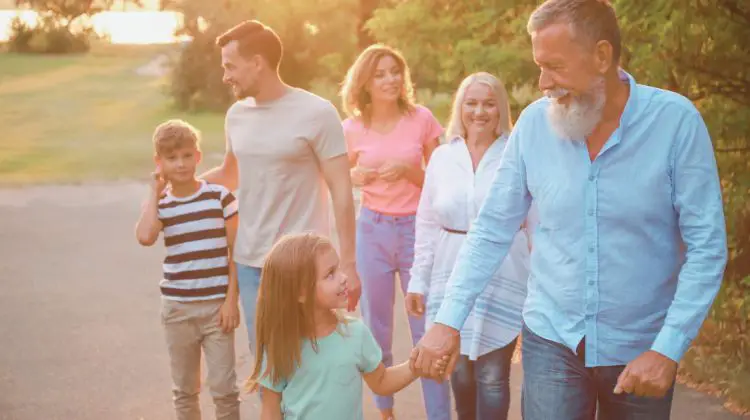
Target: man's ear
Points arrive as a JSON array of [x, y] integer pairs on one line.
[[603, 56], [199, 156]]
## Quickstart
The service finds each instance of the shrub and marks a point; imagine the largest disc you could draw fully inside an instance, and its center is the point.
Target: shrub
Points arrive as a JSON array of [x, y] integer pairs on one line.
[[48, 36]]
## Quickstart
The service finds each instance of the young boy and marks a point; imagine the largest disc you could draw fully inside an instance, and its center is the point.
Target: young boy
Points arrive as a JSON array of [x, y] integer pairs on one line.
[[199, 287]]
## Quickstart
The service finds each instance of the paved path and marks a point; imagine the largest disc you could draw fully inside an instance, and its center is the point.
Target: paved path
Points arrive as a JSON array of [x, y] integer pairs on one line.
[[79, 316]]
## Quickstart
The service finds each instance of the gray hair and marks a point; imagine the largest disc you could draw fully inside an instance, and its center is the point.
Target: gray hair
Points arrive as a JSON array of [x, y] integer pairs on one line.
[[504, 124], [590, 20]]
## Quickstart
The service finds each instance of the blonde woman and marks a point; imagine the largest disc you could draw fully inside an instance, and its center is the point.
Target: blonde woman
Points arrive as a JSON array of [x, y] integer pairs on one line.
[[389, 140], [458, 177]]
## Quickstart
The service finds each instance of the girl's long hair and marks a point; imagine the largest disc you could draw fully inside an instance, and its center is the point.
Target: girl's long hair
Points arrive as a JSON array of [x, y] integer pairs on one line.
[[285, 312], [356, 100]]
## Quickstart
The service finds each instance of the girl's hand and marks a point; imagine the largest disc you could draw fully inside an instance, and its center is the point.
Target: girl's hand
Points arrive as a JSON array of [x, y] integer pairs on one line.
[[393, 171], [414, 304], [362, 176]]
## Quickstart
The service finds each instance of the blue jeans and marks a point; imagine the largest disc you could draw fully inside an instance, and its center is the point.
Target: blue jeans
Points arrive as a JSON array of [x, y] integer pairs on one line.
[[385, 246], [248, 280], [558, 385], [481, 388]]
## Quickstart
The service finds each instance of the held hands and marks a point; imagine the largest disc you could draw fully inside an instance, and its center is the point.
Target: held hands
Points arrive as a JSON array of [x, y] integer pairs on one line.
[[650, 375], [440, 364], [440, 342], [414, 304], [229, 316]]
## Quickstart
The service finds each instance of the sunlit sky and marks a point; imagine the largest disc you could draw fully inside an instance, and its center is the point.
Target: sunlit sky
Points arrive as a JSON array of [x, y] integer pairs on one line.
[[132, 26]]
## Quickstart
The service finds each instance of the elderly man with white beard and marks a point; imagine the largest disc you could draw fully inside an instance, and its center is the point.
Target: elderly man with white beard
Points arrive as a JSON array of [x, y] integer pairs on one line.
[[631, 245]]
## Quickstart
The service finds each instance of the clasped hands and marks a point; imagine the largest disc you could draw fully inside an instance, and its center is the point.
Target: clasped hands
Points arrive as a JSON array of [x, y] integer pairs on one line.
[[390, 171], [650, 375]]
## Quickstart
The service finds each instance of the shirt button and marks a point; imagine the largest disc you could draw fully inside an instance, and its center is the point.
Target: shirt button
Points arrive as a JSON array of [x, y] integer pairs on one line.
[[591, 249], [591, 212], [591, 177], [591, 282]]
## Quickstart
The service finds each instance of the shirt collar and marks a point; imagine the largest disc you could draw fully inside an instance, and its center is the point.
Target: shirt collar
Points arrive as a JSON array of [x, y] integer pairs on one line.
[[630, 113]]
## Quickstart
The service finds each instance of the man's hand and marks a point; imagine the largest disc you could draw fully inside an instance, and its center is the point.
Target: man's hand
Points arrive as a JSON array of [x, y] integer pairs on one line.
[[440, 341], [650, 375], [414, 304], [353, 285], [229, 316]]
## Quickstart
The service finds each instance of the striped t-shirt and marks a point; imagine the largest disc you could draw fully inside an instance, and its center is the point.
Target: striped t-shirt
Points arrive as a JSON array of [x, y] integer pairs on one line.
[[196, 266]]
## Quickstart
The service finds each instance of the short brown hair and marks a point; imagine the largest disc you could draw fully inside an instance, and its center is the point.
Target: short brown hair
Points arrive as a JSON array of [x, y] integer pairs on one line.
[[175, 134], [254, 38], [591, 20]]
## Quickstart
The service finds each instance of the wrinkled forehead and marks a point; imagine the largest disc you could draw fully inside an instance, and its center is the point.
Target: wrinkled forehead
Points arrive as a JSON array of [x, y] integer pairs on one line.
[[554, 42]]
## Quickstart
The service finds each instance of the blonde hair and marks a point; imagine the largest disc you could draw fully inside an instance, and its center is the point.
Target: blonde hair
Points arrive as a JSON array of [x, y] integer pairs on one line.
[[285, 312], [504, 124], [355, 98], [175, 134]]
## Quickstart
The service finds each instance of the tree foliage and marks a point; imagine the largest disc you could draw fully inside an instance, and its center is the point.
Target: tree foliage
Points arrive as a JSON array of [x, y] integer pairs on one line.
[[319, 41], [62, 26]]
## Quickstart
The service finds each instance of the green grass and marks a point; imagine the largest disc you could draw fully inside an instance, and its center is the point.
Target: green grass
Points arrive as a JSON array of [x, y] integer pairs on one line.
[[86, 117]]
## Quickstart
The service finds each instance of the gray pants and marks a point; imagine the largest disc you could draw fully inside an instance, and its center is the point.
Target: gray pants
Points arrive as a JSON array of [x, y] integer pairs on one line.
[[189, 328]]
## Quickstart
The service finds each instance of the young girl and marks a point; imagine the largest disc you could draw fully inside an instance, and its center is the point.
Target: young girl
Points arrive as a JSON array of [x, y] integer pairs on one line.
[[309, 359]]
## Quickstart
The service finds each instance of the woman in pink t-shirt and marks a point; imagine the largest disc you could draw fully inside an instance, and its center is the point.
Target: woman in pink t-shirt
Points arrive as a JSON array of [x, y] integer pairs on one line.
[[389, 140]]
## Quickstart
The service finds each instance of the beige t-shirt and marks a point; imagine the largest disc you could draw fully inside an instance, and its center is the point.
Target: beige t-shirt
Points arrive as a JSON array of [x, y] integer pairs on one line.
[[279, 146]]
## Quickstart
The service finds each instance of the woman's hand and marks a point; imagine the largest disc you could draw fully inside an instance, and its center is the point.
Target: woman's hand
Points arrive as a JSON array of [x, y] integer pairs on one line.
[[362, 176], [393, 171], [414, 304]]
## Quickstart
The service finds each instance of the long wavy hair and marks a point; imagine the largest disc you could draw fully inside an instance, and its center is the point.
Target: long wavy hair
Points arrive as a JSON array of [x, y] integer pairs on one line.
[[285, 313], [504, 124], [356, 100]]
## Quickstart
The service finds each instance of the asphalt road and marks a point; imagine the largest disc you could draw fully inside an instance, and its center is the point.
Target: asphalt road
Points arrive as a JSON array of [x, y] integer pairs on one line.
[[79, 316]]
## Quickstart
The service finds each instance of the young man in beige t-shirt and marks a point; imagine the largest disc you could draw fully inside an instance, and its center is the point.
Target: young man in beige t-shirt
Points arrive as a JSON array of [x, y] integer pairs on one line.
[[285, 152]]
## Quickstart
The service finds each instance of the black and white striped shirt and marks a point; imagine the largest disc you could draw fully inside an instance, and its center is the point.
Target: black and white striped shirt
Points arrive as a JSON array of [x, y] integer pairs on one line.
[[197, 263]]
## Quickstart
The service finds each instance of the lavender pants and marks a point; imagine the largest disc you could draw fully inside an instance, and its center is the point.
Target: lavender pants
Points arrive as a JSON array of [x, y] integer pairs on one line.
[[385, 246]]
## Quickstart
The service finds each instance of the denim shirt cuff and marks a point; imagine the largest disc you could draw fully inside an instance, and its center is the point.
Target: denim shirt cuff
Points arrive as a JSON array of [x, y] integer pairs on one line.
[[671, 343], [452, 314]]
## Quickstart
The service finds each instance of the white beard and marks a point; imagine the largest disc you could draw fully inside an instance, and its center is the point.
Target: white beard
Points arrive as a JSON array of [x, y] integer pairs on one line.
[[577, 120]]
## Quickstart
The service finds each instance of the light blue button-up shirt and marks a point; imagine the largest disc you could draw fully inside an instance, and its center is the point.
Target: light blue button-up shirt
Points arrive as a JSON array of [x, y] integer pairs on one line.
[[630, 248]]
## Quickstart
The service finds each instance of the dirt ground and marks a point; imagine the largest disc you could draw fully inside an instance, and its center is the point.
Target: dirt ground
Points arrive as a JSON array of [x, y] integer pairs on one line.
[[79, 316]]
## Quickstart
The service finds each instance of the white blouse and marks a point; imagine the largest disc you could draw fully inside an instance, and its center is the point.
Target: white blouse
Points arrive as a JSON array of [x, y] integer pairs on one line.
[[451, 197]]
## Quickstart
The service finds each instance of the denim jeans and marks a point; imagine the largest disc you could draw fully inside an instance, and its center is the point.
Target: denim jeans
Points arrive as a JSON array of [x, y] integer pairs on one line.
[[558, 385], [481, 388], [385, 246], [248, 280]]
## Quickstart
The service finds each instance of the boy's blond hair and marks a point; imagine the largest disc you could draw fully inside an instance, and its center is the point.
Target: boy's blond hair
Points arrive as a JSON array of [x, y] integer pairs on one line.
[[175, 134]]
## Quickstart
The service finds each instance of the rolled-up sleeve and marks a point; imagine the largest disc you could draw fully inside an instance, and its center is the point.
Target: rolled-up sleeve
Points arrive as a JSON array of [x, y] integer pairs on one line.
[[490, 236], [697, 201]]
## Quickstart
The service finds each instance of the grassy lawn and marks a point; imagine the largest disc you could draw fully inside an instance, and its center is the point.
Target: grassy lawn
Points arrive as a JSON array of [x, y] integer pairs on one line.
[[86, 117]]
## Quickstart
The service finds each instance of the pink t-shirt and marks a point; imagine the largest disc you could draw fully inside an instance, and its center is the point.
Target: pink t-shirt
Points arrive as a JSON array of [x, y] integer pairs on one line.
[[405, 143]]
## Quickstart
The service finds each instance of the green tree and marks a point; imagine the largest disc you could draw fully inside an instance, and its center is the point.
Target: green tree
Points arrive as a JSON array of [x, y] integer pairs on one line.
[[446, 40], [319, 40]]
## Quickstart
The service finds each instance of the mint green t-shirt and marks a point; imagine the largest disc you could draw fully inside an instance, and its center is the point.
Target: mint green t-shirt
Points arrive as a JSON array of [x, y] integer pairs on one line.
[[328, 383]]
